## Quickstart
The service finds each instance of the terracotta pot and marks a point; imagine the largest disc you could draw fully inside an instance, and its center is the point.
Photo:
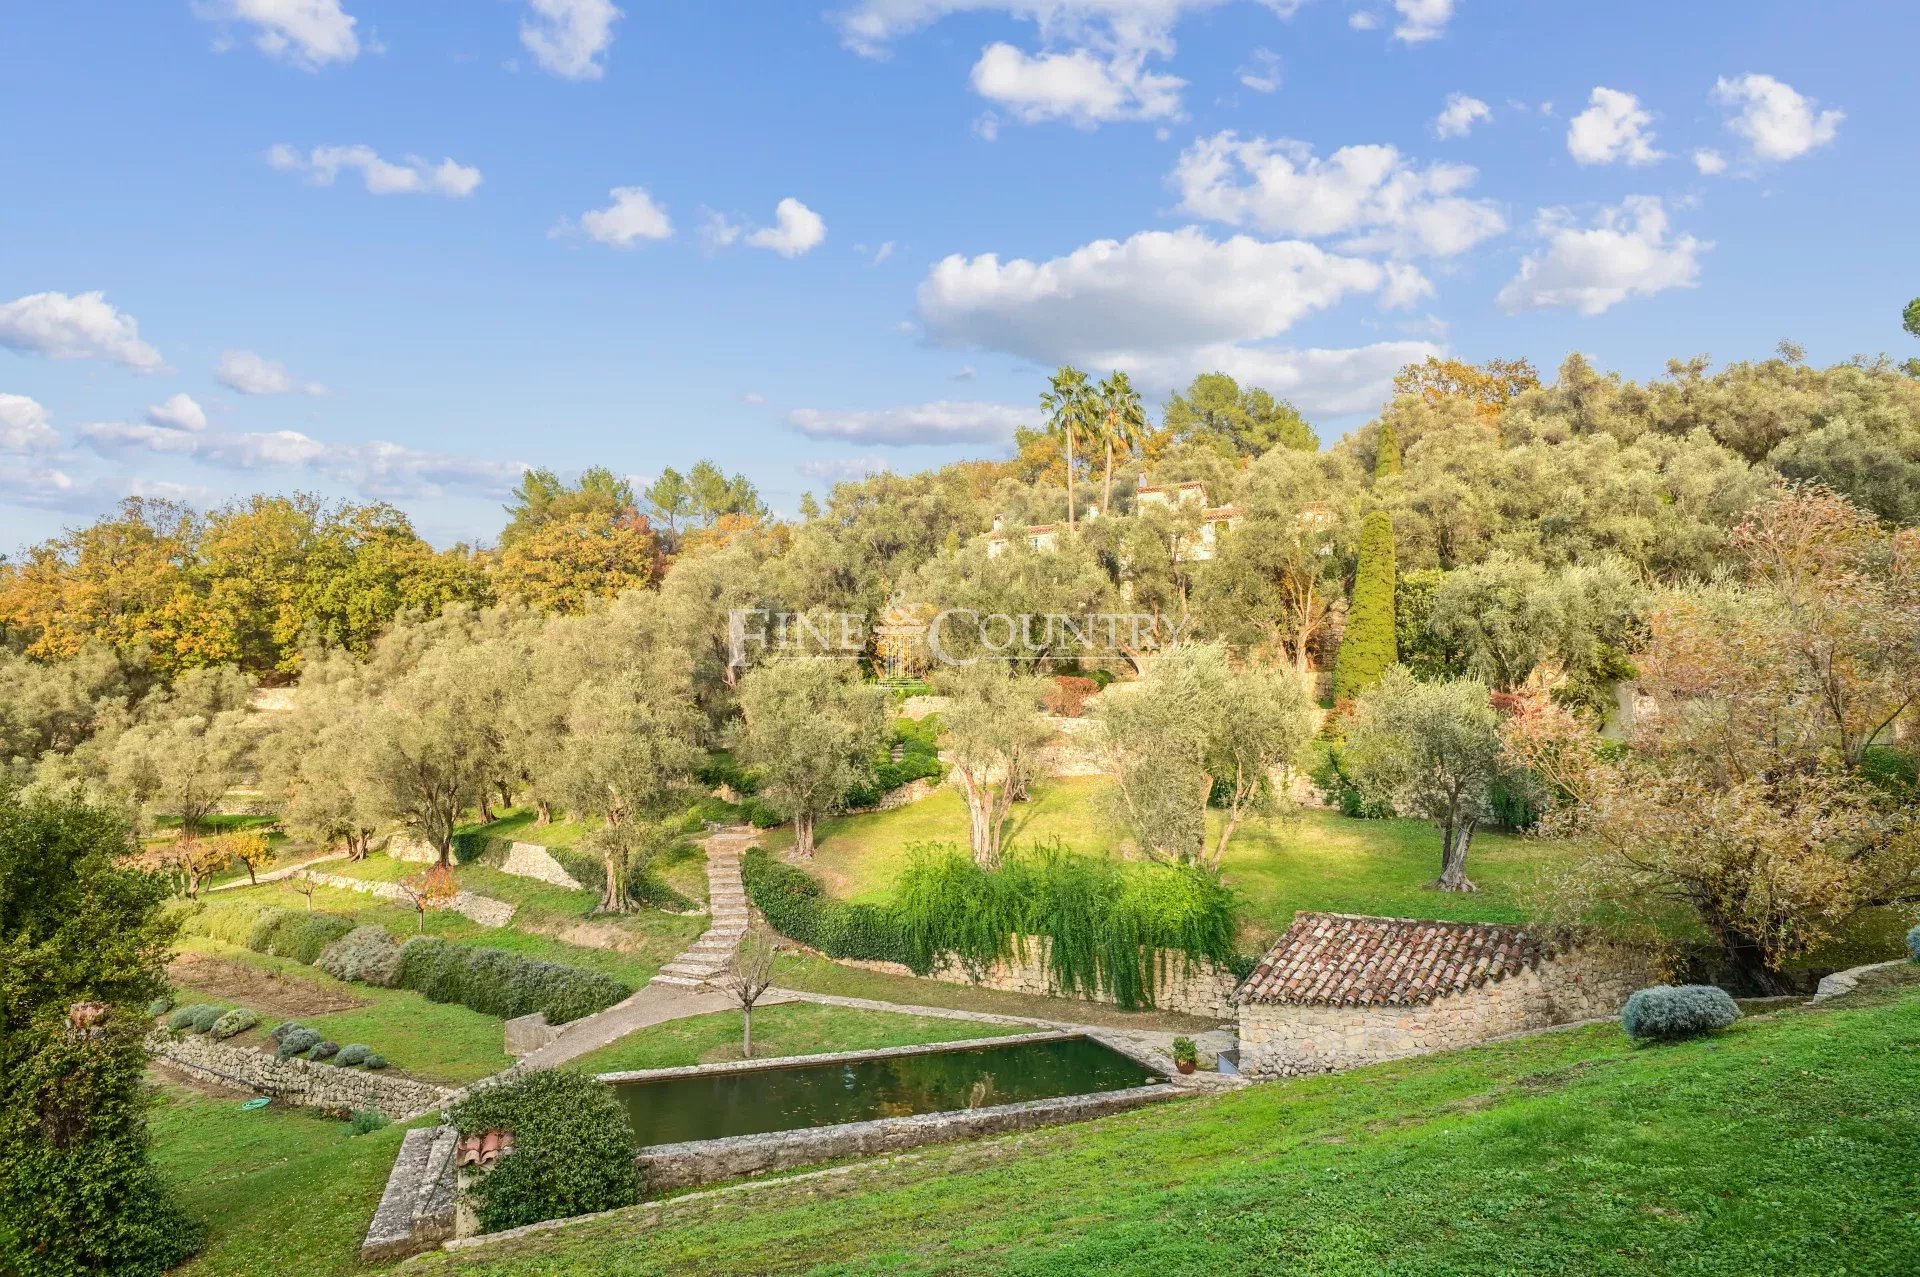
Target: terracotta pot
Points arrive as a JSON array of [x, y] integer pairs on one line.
[[1185, 1066]]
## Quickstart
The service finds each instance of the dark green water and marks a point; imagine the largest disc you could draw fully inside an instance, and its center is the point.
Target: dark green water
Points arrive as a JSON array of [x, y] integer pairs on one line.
[[751, 1101]]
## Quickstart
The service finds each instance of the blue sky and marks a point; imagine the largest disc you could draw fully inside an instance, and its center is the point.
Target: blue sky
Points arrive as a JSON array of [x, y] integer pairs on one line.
[[350, 246]]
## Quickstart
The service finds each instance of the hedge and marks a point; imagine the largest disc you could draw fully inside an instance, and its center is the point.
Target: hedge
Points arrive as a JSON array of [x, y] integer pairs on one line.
[[503, 983], [302, 935], [368, 955], [797, 906]]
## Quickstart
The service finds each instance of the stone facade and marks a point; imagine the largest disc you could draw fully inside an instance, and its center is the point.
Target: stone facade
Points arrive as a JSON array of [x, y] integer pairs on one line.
[[484, 910], [531, 860], [529, 1033], [303, 1082], [418, 1207], [1286, 1039], [1197, 989]]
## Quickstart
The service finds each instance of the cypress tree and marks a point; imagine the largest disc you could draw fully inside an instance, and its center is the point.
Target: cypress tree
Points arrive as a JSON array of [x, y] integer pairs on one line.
[[1388, 460], [1368, 649]]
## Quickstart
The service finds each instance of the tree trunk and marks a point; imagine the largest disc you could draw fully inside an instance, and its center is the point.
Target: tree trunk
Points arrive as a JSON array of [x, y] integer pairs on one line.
[[251, 880], [1749, 960], [1455, 842], [1070, 516], [803, 834], [1106, 495], [546, 812], [746, 1031], [486, 807]]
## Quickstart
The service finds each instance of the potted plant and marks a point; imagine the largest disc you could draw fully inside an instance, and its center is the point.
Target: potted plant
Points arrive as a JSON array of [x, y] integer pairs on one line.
[[1186, 1056]]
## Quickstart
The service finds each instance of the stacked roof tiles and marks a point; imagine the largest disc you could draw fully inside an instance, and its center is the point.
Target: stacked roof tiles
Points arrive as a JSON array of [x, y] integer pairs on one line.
[[1341, 959]]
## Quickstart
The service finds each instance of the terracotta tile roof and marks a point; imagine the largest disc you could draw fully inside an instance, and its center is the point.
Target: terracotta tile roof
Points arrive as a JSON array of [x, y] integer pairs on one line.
[[1343, 959]]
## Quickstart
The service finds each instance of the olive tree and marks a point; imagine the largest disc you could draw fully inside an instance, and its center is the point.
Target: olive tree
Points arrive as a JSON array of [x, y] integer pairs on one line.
[[995, 734], [810, 730], [1430, 750]]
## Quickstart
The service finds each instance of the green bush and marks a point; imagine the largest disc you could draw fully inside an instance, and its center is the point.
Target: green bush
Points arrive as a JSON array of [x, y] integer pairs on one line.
[[367, 1121], [323, 1050], [184, 1017], [797, 906], [301, 935], [367, 955], [295, 1043], [476, 845], [1185, 1051], [351, 1054], [721, 768], [503, 983], [233, 1023], [204, 1018], [919, 759], [159, 1006], [1671, 1012], [376, 1061], [280, 1031], [573, 1149], [237, 923], [1913, 944], [1368, 648]]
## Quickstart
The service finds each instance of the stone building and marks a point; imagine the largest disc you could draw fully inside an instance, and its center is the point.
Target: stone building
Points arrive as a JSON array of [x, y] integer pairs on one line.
[[1341, 990]]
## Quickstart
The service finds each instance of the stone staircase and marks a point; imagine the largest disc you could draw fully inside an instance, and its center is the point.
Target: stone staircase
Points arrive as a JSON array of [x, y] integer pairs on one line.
[[700, 966]]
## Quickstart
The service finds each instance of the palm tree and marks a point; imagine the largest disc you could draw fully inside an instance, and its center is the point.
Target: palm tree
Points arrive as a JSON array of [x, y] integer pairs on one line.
[[1123, 422], [1071, 413]]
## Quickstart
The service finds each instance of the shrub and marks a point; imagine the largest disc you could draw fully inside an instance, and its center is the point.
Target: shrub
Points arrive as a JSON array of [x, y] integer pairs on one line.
[[233, 1023], [351, 1054], [572, 1154], [1670, 1012], [1913, 944], [296, 1042], [503, 983], [302, 936], [367, 1121], [368, 955], [796, 906], [204, 1018], [159, 1006], [476, 845], [183, 1018], [323, 1050], [280, 1031], [376, 1061], [1068, 696]]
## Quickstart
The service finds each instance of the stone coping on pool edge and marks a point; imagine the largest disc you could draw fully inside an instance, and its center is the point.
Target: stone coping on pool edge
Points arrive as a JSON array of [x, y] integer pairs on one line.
[[841, 1057]]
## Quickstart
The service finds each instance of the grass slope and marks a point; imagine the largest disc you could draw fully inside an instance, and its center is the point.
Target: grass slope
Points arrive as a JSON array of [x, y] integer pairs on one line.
[[1786, 1145], [790, 1028]]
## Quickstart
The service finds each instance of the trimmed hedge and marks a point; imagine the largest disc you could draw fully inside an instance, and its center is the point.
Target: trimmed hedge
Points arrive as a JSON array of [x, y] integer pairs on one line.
[[303, 936], [204, 1018], [798, 907], [1669, 1013], [232, 1024], [351, 1054], [503, 983], [367, 955], [919, 759], [159, 1006]]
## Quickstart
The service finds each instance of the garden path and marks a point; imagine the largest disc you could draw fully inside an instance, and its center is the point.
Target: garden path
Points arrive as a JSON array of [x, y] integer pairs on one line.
[[278, 874]]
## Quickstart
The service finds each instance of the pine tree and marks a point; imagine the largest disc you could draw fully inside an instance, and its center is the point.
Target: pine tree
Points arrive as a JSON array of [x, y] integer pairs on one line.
[[1388, 460], [1368, 649]]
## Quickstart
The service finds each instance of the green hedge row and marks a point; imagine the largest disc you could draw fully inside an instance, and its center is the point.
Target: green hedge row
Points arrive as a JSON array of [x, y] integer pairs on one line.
[[798, 907], [300, 934], [919, 759], [503, 983]]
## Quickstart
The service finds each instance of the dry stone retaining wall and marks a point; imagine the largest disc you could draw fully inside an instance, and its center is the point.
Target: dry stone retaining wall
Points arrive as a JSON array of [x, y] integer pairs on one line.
[[531, 860], [1285, 1040], [302, 1082], [484, 910], [1191, 987]]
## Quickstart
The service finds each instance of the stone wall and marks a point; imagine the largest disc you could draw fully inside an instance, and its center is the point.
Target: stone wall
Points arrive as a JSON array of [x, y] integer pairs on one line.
[[417, 1210], [900, 796], [415, 850], [1191, 988], [302, 1082], [531, 860], [484, 910], [1283, 1040]]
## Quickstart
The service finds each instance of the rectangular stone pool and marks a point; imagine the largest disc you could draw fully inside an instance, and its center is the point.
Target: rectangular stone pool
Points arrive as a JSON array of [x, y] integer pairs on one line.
[[717, 1103]]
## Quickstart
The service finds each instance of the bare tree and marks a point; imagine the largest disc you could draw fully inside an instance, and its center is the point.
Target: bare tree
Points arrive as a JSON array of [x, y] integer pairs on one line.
[[749, 972], [303, 882]]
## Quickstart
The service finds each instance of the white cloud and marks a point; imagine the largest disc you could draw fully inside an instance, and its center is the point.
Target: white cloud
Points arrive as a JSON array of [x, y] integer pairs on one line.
[[1459, 115], [1777, 122], [870, 26], [83, 327], [567, 37], [1081, 87], [633, 216], [943, 421], [883, 252], [1422, 20], [413, 176], [1613, 127], [1709, 161], [45, 487], [753, 397], [1330, 382], [1629, 251], [377, 468], [252, 374], [843, 469], [1262, 74], [1364, 21], [307, 33], [1372, 193], [181, 412], [797, 229], [23, 426]]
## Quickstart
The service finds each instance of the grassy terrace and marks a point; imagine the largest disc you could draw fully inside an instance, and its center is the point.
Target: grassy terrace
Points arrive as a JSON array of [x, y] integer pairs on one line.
[[790, 1028], [1785, 1145]]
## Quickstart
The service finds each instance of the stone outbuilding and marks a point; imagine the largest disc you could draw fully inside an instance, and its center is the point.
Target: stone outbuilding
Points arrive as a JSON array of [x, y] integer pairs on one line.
[[1340, 990]]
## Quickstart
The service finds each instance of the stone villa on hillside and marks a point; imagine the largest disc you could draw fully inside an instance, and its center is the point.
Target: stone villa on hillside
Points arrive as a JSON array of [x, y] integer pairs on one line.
[[1213, 519], [1340, 990]]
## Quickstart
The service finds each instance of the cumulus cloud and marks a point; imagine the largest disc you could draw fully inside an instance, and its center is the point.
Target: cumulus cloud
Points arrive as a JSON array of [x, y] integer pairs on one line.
[[1459, 115], [797, 229], [24, 426], [1164, 305], [567, 37], [1364, 21], [377, 468], [1373, 194], [412, 176], [1777, 122], [1709, 161], [1262, 72], [1613, 127], [181, 412], [45, 487], [1629, 251], [306, 33], [1422, 20], [1081, 87], [633, 216], [252, 374], [943, 421], [83, 327], [843, 469]]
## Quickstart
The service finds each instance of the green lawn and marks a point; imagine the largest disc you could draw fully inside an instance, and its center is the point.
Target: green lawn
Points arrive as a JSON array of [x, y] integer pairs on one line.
[[790, 1028], [1317, 860], [438, 1041], [1787, 1145], [281, 1190]]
